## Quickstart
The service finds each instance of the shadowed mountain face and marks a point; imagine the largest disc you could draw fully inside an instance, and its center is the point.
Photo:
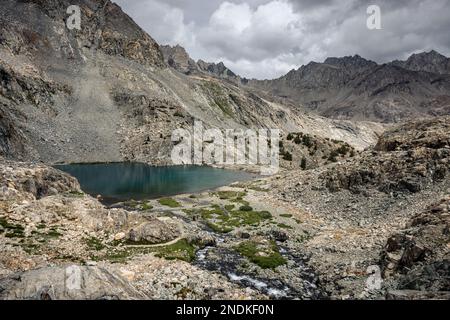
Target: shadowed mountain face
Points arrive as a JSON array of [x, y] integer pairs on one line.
[[358, 89], [432, 61]]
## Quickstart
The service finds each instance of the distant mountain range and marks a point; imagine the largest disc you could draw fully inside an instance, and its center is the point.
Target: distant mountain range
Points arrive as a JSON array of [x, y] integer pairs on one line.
[[350, 88]]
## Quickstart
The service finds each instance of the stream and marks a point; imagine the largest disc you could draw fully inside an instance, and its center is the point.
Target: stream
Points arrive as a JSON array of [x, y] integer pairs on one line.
[[226, 262]]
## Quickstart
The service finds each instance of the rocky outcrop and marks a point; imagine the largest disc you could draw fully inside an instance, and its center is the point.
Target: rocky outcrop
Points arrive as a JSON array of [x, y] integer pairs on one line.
[[70, 282], [104, 27], [179, 59], [217, 69], [153, 232], [13, 142], [351, 208], [418, 260], [33, 181], [406, 159]]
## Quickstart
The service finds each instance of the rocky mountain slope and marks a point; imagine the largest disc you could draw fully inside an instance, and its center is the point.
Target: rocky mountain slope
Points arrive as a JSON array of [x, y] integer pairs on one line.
[[105, 92], [379, 209], [358, 89], [432, 61]]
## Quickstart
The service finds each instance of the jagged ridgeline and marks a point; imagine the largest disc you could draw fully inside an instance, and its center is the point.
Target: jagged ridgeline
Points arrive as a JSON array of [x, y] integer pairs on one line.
[[360, 89], [106, 93]]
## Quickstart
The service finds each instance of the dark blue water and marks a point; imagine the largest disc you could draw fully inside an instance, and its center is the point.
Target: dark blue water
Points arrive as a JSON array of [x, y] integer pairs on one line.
[[117, 182]]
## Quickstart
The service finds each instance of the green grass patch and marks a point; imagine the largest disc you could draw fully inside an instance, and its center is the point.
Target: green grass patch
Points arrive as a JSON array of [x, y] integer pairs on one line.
[[228, 195], [230, 207], [31, 248], [284, 226], [181, 250], [76, 194], [267, 256], [218, 96], [12, 230], [95, 244], [146, 206], [169, 202], [224, 222]]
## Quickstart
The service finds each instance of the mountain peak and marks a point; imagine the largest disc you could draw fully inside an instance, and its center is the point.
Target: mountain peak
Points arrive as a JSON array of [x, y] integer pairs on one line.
[[349, 60], [178, 58], [430, 56], [431, 61]]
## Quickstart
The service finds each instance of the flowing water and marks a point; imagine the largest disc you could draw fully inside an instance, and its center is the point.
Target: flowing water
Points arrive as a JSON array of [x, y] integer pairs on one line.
[[226, 261]]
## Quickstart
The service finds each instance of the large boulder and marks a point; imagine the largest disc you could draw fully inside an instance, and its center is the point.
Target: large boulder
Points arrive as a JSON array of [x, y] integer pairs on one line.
[[67, 283], [418, 258], [34, 181], [154, 232]]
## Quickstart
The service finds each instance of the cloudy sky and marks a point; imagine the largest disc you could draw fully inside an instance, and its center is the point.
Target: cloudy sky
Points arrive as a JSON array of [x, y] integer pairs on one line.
[[267, 38]]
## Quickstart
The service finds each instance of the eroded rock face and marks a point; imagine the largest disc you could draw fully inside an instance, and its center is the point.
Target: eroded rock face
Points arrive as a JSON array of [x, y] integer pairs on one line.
[[406, 159], [13, 143], [34, 180], [105, 27], [71, 282], [179, 59]]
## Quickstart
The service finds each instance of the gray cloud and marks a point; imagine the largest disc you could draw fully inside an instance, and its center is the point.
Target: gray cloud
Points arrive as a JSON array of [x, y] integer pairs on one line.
[[267, 38]]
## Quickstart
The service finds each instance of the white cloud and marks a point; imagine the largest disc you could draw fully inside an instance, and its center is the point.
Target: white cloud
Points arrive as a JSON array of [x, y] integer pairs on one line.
[[267, 38], [232, 17]]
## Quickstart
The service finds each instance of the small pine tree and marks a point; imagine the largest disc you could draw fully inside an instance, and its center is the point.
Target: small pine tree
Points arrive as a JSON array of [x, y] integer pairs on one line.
[[307, 141], [287, 156], [333, 156], [303, 164]]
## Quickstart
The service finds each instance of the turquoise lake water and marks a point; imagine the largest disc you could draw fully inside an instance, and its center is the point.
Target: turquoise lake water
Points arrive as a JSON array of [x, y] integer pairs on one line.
[[117, 182]]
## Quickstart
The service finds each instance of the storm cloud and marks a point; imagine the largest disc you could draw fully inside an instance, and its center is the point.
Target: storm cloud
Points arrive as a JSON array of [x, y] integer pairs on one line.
[[267, 38]]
